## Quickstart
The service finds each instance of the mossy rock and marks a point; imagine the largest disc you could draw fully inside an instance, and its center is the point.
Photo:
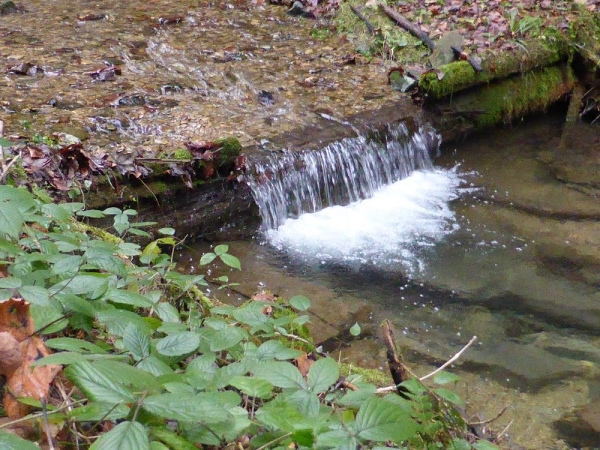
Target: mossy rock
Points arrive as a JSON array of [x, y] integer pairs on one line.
[[230, 147], [457, 76], [182, 154]]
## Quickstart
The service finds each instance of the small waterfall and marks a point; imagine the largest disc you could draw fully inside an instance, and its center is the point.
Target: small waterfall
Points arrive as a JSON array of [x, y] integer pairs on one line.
[[346, 171]]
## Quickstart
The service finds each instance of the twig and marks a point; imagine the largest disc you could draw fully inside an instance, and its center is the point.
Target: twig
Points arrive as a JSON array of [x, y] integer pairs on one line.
[[397, 368], [364, 19], [37, 415], [504, 431], [408, 26], [439, 369], [262, 447], [485, 422], [451, 360], [47, 425], [6, 167]]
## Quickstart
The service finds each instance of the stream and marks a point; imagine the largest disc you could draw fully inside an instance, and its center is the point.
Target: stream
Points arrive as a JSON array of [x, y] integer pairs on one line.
[[485, 243]]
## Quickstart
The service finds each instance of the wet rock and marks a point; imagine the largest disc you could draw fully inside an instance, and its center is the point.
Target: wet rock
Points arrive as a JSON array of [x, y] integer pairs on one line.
[[443, 53], [77, 132], [266, 98], [581, 428], [526, 361]]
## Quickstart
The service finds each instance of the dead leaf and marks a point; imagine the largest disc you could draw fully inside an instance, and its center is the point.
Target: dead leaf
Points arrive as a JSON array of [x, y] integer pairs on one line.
[[19, 348], [264, 296], [304, 362]]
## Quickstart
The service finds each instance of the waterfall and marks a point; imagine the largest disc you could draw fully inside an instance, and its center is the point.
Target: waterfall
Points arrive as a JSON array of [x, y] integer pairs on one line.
[[345, 171]]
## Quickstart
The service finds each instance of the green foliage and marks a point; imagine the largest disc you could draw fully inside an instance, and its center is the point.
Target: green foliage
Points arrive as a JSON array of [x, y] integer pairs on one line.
[[180, 378]]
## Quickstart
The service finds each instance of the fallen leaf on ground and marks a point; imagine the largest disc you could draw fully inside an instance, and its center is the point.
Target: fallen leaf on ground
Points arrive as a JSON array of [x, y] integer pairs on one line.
[[18, 350]]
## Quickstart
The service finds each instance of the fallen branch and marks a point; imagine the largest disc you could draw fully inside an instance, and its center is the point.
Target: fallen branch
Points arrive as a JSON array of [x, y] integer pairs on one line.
[[408, 26], [439, 369], [397, 368], [451, 360], [370, 27]]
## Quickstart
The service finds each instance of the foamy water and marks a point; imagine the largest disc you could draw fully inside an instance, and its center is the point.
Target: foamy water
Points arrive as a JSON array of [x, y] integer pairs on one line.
[[394, 226]]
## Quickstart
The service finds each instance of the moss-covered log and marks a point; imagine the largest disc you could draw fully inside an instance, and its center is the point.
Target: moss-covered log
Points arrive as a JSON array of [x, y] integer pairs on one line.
[[460, 75], [502, 101]]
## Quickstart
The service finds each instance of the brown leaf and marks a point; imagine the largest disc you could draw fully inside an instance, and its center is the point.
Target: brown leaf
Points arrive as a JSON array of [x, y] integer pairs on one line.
[[18, 350], [304, 362], [10, 353], [264, 296]]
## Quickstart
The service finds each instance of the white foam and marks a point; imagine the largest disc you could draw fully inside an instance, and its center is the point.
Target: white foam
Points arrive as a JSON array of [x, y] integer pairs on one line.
[[392, 227]]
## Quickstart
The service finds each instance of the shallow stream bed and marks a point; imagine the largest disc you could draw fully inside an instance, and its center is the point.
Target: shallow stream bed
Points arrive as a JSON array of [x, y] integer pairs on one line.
[[488, 244]]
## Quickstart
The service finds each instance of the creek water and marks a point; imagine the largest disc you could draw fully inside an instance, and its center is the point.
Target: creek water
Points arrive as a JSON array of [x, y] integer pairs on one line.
[[485, 243]]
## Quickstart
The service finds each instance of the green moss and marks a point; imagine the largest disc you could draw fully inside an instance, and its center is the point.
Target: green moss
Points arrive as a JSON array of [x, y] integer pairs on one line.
[[373, 376], [230, 147], [158, 187], [320, 33], [182, 154], [515, 97], [460, 75], [391, 41]]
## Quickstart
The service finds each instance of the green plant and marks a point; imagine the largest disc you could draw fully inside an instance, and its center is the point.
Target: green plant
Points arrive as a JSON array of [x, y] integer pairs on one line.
[[200, 374]]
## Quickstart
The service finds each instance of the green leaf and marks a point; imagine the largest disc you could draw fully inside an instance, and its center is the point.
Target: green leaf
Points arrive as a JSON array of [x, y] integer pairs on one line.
[[226, 338], [112, 211], [231, 261], [125, 436], [307, 402], [338, 439], [127, 298], [56, 212], [137, 342], [96, 385], [276, 350], [155, 445], [74, 345], [167, 231], [96, 411], [221, 249], [459, 444], [117, 320], [452, 397], [6, 143], [207, 258], [10, 441], [201, 407], [59, 358], [47, 319], [138, 232], [378, 420], [11, 220], [445, 377], [154, 366], [178, 344], [355, 329], [322, 375], [67, 265], [485, 445], [280, 374], [173, 440], [93, 213], [300, 302], [253, 387], [10, 283], [37, 295], [167, 312], [131, 378]]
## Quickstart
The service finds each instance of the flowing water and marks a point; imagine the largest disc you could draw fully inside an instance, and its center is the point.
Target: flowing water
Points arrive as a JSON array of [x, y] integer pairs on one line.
[[484, 243]]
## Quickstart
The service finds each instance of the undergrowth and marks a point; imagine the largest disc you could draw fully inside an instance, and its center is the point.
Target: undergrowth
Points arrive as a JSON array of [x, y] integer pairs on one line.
[[149, 362]]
